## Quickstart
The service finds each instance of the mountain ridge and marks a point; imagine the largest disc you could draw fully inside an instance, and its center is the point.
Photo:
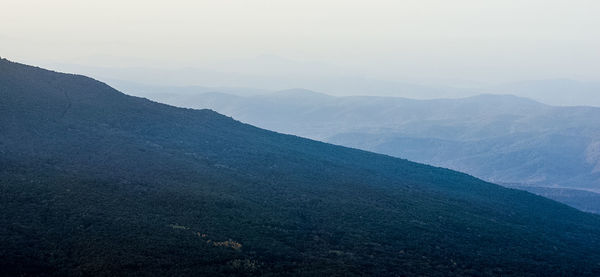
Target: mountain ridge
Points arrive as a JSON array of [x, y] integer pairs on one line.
[[121, 185], [491, 124]]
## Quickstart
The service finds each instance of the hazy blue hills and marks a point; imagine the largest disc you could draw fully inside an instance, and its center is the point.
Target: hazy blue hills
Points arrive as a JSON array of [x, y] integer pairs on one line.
[[95, 182], [560, 92]]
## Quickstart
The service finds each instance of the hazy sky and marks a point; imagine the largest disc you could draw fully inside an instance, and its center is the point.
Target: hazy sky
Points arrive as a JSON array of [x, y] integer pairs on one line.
[[454, 40]]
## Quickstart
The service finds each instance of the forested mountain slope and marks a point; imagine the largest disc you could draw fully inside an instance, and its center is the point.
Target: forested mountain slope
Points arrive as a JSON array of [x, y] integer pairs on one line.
[[95, 182]]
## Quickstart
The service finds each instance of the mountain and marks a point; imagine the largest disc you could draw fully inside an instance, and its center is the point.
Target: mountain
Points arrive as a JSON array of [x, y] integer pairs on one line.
[[500, 138], [271, 73], [96, 182], [560, 92]]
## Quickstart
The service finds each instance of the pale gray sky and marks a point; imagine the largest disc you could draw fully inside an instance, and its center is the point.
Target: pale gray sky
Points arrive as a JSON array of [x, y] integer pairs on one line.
[[421, 40]]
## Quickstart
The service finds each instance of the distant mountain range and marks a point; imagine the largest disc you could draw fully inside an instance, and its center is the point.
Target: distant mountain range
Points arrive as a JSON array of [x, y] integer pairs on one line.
[[500, 138], [559, 92], [273, 73], [95, 182]]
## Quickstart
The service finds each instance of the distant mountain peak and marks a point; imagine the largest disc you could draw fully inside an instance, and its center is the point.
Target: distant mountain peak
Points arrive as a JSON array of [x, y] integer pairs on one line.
[[300, 92]]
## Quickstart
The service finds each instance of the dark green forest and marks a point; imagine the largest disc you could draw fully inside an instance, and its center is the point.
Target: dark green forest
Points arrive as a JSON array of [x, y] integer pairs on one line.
[[97, 183]]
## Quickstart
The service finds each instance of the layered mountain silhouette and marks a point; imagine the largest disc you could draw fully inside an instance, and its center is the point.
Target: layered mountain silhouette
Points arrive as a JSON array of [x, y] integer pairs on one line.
[[500, 138], [96, 182]]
